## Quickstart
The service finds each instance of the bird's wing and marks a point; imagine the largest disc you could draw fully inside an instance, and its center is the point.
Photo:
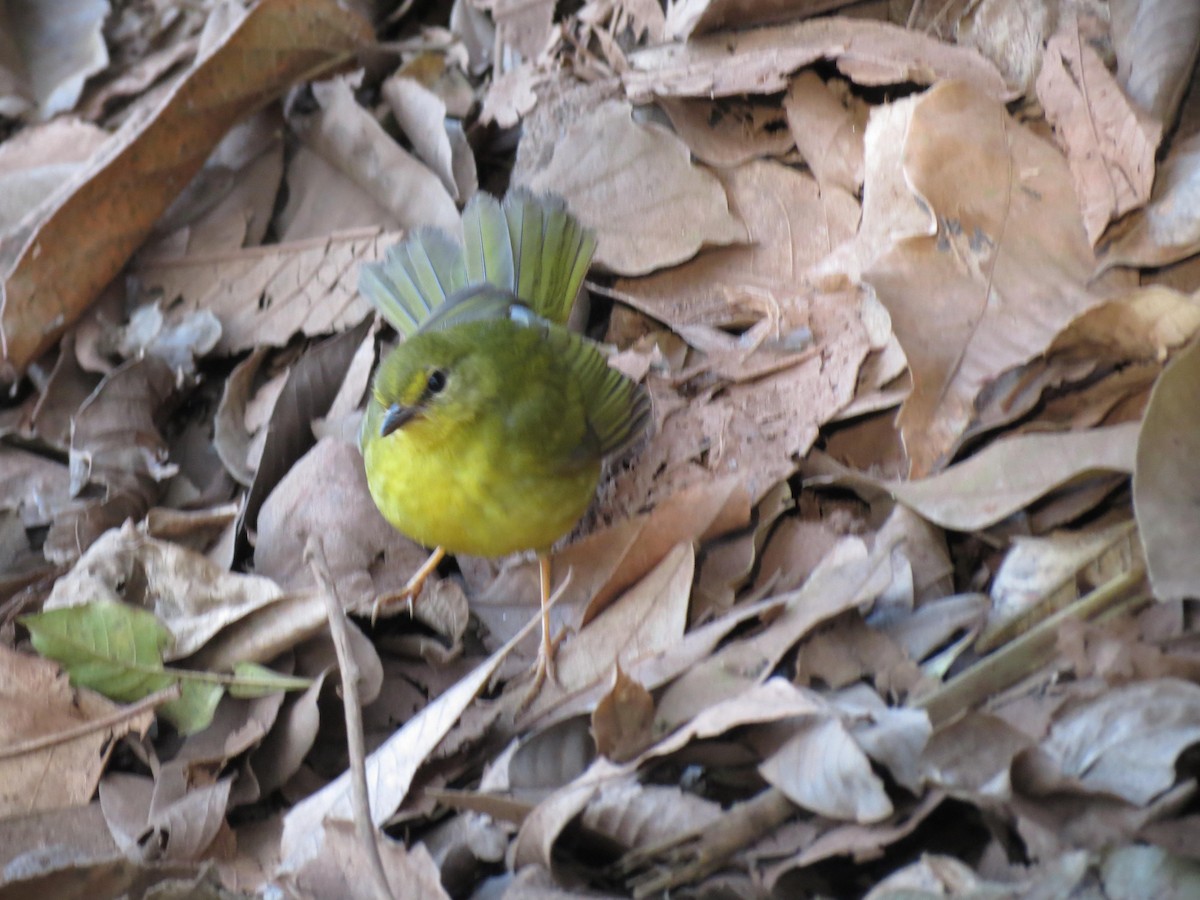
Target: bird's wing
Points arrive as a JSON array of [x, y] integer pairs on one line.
[[617, 408]]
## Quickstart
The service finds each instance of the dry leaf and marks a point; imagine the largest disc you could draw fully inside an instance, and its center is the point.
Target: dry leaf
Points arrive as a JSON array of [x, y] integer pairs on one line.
[[1156, 42], [266, 295], [191, 596], [1167, 230], [728, 132], [1166, 487], [348, 136], [821, 768], [86, 236], [59, 45], [1109, 141], [1009, 474], [1125, 742], [760, 61], [60, 773], [635, 186], [1007, 268]]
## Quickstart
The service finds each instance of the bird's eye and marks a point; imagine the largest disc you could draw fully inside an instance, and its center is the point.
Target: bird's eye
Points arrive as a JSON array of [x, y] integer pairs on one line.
[[436, 383]]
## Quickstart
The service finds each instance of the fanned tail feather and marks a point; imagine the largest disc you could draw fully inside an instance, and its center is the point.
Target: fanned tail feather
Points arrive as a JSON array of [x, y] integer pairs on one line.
[[414, 278], [529, 246]]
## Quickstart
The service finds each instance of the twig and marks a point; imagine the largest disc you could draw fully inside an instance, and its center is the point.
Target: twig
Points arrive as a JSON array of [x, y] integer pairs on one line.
[[42, 742], [1026, 654], [314, 553], [691, 856]]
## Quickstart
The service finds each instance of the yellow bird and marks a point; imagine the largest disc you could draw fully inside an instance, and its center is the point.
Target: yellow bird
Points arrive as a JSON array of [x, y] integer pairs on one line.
[[486, 428]]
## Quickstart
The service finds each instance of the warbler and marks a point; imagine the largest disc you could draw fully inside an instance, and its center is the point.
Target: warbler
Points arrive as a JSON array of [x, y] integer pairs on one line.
[[486, 428]]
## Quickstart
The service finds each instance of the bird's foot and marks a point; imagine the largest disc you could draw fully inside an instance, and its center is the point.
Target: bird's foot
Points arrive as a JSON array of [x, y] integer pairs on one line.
[[412, 589]]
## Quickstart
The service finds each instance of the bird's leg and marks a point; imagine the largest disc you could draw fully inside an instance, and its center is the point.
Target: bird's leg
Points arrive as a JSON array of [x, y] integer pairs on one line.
[[545, 660], [413, 588]]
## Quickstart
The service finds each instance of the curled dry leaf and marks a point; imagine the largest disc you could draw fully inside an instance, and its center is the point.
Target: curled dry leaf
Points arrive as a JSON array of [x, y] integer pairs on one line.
[[87, 234], [192, 596], [118, 458], [760, 61], [636, 187], [636, 815], [1167, 230], [154, 820], [828, 134], [1147, 324], [422, 115], [1011, 473], [348, 136], [1124, 742], [1110, 142], [821, 768], [1156, 42], [1166, 482]]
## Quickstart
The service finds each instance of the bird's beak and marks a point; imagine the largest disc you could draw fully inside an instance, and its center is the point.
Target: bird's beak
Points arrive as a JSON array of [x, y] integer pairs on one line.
[[395, 418]]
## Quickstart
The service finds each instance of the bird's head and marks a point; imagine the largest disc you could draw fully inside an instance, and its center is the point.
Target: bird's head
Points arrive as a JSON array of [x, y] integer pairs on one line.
[[428, 382]]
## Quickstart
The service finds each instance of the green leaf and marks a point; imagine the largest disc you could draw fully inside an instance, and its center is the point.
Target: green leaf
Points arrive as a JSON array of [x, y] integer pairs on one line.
[[109, 647], [117, 650], [252, 680]]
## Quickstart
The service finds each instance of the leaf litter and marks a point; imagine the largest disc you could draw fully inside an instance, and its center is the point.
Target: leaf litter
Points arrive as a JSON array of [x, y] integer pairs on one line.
[[905, 570]]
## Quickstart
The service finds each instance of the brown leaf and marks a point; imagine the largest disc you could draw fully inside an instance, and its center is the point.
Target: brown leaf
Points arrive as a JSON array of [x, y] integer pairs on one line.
[[1125, 742], [1011, 473], [1167, 230], [1006, 264], [1110, 142], [348, 136], [192, 596], [1166, 484], [153, 820], [265, 295], [88, 234], [60, 44], [821, 768], [635, 815], [1156, 42], [117, 453], [311, 386], [828, 128], [636, 187], [728, 132], [37, 702], [759, 61], [621, 720]]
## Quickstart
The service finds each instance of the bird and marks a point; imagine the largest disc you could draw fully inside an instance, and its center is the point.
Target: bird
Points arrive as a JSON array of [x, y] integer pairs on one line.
[[486, 427]]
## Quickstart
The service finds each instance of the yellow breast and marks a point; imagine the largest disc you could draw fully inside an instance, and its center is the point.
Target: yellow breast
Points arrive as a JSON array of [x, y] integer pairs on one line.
[[472, 493]]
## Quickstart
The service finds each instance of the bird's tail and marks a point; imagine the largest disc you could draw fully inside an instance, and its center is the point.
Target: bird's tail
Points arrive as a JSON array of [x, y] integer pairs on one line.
[[528, 246]]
